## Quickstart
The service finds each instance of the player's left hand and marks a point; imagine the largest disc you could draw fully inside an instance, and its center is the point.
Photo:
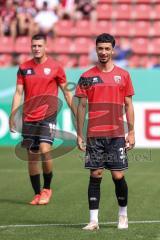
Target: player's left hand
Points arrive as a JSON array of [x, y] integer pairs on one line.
[[130, 140]]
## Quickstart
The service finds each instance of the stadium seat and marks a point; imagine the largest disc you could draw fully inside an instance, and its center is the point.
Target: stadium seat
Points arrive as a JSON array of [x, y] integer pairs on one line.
[[64, 28], [83, 28], [122, 29], [143, 12], [145, 1], [157, 11], [22, 45], [104, 1], [5, 60], [116, 1], [142, 29], [24, 57], [154, 46], [104, 11], [156, 28], [140, 45], [101, 26], [62, 45], [83, 45], [133, 61], [67, 61], [84, 61], [121, 11], [7, 45]]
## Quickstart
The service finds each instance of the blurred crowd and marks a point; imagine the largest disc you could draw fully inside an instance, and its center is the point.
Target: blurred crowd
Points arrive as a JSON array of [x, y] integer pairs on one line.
[[27, 17]]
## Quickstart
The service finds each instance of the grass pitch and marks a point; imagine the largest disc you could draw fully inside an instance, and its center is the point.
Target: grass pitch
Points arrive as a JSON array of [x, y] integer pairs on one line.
[[67, 212]]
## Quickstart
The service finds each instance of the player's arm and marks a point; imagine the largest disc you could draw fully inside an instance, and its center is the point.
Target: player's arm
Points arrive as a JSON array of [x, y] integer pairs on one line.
[[130, 139], [81, 111], [69, 98], [15, 105]]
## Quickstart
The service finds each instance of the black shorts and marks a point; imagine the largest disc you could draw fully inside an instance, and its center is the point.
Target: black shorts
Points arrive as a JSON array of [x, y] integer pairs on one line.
[[34, 133], [108, 153]]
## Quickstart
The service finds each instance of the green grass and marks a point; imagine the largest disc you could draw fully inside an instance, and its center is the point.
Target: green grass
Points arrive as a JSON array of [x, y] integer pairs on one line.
[[69, 203]]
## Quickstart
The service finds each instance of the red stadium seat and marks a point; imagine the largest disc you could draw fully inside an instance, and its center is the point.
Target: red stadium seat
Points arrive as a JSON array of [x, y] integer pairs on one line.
[[64, 28], [145, 1], [104, 11], [84, 61], [156, 28], [140, 45], [83, 28], [142, 28], [154, 46], [62, 45], [24, 57], [83, 45], [157, 11], [122, 29], [133, 61], [22, 45], [121, 11], [101, 26], [105, 1], [67, 61], [5, 60], [143, 12], [6, 45]]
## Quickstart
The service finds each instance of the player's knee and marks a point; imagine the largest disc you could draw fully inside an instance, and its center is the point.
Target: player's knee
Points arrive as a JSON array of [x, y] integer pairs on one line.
[[96, 173], [117, 175]]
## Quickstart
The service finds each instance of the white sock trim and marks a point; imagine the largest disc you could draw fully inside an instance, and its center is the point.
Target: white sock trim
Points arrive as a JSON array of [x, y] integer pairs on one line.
[[123, 211], [94, 215]]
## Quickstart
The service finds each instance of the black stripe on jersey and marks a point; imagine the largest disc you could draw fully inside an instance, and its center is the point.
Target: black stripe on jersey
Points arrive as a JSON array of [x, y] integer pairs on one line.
[[86, 82], [24, 72]]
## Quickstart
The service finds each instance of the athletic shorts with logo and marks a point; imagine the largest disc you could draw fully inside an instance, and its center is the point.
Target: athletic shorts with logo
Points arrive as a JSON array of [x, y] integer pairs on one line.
[[34, 133], [108, 153]]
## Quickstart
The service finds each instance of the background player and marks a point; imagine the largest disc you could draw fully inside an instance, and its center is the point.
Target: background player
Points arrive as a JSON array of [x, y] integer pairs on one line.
[[108, 89], [39, 79]]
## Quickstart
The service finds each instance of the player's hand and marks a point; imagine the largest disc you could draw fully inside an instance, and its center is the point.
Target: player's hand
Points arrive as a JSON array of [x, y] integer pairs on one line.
[[12, 125], [130, 140], [81, 144]]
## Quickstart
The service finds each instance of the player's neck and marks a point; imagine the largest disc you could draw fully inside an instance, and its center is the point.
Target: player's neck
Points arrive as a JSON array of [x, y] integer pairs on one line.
[[106, 67], [40, 60]]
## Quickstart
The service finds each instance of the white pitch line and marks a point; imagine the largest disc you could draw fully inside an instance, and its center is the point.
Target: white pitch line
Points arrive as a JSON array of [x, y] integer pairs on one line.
[[74, 224]]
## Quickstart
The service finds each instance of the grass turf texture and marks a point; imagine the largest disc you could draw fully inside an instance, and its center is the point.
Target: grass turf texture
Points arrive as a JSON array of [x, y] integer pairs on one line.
[[69, 202]]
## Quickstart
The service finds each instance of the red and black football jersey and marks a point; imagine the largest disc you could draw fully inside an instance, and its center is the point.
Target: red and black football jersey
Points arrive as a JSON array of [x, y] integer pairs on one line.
[[106, 92], [40, 83]]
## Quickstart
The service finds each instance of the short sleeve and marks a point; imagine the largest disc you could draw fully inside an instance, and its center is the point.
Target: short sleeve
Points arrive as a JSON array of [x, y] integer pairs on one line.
[[129, 90], [20, 77], [81, 89], [61, 76]]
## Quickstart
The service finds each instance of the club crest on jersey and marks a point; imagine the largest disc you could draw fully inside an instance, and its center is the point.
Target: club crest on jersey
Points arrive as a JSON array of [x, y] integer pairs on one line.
[[117, 79], [47, 71]]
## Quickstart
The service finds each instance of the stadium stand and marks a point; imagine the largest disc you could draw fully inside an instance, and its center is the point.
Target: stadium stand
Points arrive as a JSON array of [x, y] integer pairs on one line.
[[136, 20]]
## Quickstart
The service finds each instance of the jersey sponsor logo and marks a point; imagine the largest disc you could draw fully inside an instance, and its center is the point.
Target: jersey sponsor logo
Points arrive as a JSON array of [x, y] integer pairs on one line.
[[28, 71], [87, 82], [95, 80], [117, 79], [47, 71]]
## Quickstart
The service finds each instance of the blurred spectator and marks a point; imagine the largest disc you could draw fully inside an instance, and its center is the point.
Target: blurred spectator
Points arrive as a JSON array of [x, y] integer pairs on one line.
[[85, 9], [51, 4], [122, 52], [45, 20], [66, 9], [8, 20], [25, 16]]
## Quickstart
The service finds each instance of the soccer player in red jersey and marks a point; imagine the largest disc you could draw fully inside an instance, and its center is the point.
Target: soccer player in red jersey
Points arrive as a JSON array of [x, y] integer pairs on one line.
[[108, 90], [39, 80]]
